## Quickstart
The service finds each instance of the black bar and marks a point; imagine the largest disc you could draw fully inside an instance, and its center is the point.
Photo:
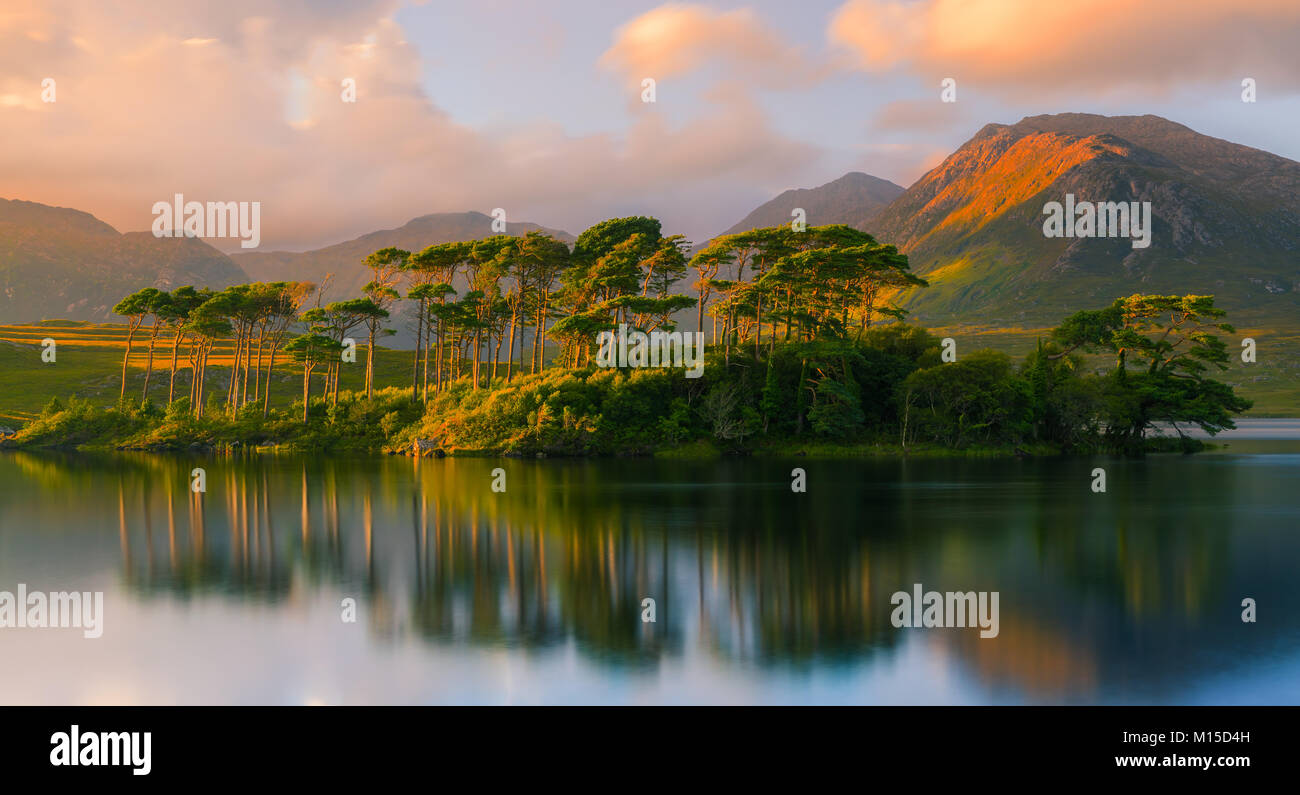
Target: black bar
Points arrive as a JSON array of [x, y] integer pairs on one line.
[[238, 745]]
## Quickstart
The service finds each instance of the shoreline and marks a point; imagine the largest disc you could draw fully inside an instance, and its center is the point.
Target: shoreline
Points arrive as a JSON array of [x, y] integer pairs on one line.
[[701, 451]]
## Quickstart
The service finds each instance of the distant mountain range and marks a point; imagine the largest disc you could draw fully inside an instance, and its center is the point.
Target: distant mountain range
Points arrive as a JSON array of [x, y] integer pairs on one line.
[[854, 199], [62, 263], [344, 260], [1226, 220]]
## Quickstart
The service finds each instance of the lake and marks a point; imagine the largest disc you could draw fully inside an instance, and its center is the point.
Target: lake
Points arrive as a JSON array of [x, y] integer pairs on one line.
[[535, 595]]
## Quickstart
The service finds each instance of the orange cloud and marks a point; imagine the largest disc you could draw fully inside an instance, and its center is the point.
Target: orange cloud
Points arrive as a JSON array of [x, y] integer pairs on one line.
[[908, 115], [676, 39], [241, 101], [1092, 46]]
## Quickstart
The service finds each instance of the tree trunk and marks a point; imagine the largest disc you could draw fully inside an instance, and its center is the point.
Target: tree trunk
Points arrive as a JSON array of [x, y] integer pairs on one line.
[[171, 384], [438, 359], [478, 339], [130, 334], [194, 370], [148, 368], [261, 342], [234, 367], [202, 377], [510, 356], [370, 361], [496, 355], [428, 333], [537, 336], [415, 364], [243, 382], [306, 383], [266, 400]]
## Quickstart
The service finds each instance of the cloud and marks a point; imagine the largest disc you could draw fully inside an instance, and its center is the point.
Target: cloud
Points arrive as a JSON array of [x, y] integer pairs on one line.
[[677, 39], [909, 115], [901, 163], [254, 114], [1097, 47]]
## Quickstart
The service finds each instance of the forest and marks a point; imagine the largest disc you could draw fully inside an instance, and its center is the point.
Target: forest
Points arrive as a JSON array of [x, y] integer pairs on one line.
[[807, 352]]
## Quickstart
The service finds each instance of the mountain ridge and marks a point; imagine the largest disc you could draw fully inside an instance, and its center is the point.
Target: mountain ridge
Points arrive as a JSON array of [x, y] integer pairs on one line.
[[1226, 220], [60, 262], [344, 259], [853, 199]]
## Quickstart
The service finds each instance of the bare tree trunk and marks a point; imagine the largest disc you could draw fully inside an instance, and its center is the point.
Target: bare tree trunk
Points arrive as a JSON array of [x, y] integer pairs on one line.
[[266, 400], [261, 342], [510, 356], [440, 360], [537, 336], [234, 366], [171, 384], [148, 368], [203, 373], [496, 354], [195, 349], [415, 364], [428, 334], [478, 338], [306, 383], [130, 334], [370, 362]]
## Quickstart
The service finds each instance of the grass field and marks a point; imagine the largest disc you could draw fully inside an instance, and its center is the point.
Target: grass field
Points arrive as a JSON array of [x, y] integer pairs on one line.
[[89, 363]]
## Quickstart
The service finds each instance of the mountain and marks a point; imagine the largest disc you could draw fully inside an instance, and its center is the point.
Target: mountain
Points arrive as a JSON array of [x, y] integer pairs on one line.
[[1226, 221], [57, 262], [853, 199], [344, 260]]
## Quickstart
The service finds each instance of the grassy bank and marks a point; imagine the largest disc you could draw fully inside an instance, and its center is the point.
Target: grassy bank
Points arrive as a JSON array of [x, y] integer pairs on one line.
[[886, 396], [89, 361]]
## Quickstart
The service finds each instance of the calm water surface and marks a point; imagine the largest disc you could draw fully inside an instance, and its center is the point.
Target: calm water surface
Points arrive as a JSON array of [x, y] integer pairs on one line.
[[761, 595]]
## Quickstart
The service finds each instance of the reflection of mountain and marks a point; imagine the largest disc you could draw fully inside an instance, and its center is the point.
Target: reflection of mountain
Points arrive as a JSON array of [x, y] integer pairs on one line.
[[1135, 591], [1042, 660]]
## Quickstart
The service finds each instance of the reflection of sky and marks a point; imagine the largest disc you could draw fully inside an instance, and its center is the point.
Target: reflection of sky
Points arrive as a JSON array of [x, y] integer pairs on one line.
[[1167, 631], [301, 653]]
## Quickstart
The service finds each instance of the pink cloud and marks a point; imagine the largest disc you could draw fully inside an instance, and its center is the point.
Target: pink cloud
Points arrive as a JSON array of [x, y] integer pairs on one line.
[[676, 39], [240, 101], [1093, 47]]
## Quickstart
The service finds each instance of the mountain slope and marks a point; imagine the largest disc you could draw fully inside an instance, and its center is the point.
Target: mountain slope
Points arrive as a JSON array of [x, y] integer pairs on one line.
[[57, 262], [344, 260], [853, 199], [1226, 221]]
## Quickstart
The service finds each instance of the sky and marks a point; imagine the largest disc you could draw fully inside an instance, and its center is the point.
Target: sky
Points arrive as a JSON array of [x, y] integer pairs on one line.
[[538, 108]]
